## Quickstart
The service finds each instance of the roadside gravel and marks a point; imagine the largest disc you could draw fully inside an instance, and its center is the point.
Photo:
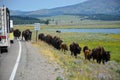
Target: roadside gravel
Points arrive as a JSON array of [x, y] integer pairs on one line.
[[34, 66]]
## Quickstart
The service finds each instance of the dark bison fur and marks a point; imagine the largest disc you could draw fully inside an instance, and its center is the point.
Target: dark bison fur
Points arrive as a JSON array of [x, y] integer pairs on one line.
[[100, 55], [27, 34], [48, 39], [41, 36], [75, 49], [58, 31], [54, 41], [17, 33]]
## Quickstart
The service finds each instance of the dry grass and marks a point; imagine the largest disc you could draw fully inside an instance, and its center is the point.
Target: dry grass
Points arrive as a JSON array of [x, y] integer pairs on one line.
[[79, 69]]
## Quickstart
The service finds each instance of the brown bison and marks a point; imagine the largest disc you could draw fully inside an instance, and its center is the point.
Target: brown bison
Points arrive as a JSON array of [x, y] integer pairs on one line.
[[41, 36], [99, 54], [87, 53], [17, 33], [27, 35], [56, 42], [75, 49], [48, 39], [64, 47]]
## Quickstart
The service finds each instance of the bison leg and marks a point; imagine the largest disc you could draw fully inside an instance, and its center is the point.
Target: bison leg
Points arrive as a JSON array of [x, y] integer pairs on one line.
[[71, 53], [23, 37], [88, 57], [85, 56], [103, 61], [75, 55], [98, 61], [64, 51]]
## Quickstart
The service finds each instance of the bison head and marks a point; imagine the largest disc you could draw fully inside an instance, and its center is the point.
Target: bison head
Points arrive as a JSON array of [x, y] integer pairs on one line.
[[78, 49], [107, 56]]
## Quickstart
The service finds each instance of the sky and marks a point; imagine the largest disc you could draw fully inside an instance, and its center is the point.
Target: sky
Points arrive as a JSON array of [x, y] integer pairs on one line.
[[31, 5]]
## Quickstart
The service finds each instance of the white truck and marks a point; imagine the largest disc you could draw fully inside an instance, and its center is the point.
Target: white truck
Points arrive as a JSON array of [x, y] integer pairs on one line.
[[4, 29]]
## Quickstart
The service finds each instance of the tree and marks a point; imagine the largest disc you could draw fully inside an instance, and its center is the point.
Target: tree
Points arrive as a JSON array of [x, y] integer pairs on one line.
[[47, 22]]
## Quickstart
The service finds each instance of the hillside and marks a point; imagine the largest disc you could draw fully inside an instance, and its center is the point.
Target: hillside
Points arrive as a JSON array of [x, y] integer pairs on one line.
[[110, 7], [25, 20]]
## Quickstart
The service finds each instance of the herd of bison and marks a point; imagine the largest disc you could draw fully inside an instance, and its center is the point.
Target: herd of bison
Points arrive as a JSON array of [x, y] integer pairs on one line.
[[99, 53], [26, 34]]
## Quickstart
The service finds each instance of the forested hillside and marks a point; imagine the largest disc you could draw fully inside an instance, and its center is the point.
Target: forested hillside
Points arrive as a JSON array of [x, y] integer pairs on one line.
[[25, 20]]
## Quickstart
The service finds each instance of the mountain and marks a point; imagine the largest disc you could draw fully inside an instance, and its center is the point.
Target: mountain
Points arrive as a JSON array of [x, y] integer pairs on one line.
[[17, 12], [92, 7], [110, 7]]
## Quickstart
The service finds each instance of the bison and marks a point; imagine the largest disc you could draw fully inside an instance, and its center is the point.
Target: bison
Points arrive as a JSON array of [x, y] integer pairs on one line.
[[99, 54], [27, 34], [87, 53], [56, 42], [75, 49], [58, 31], [48, 39], [41, 36], [64, 47], [17, 33]]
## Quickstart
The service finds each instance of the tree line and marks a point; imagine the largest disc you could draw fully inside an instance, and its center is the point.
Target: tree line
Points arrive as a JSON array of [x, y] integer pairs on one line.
[[27, 20]]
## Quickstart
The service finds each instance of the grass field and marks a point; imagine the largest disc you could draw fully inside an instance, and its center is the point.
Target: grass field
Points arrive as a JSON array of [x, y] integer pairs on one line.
[[82, 25], [79, 69], [109, 41], [69, 21]]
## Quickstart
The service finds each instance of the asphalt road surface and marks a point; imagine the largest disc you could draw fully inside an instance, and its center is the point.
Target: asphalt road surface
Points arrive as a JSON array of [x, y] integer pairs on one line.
[[32, 65], [7, 61]]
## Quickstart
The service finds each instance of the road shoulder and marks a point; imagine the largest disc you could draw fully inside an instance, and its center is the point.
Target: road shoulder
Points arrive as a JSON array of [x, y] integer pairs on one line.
[[34, 66]]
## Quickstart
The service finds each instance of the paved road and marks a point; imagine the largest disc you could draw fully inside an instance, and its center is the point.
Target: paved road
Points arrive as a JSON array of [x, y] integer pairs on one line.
[[32, 66], [7, 61]]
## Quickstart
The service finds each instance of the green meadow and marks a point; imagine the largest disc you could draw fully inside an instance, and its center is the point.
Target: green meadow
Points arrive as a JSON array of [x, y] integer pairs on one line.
[[69, 21], [109, 41], [80, 69]]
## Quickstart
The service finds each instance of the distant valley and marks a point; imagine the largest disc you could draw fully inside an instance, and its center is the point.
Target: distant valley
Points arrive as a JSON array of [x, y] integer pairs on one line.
[[108, 10]]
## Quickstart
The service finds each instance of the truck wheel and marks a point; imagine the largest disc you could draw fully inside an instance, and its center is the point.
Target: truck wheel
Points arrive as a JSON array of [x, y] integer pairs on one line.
[[1, 51], [6, 50]]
